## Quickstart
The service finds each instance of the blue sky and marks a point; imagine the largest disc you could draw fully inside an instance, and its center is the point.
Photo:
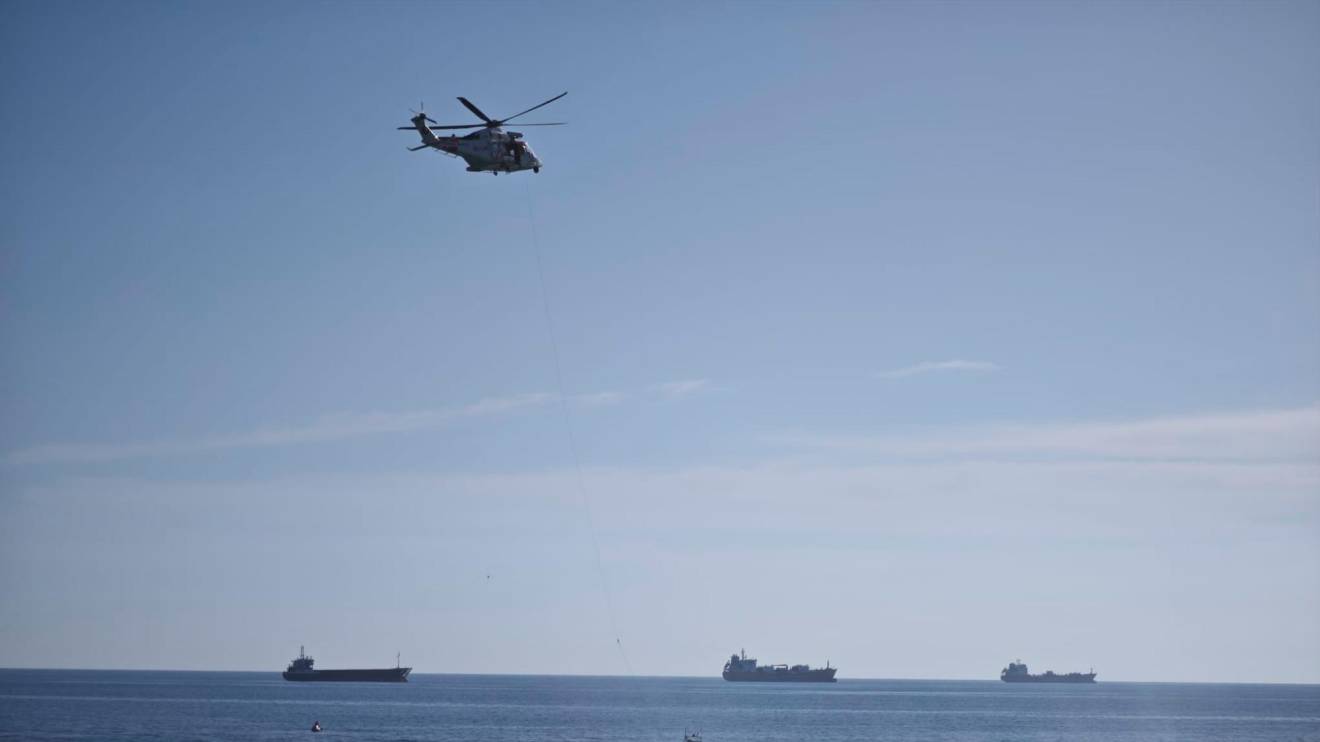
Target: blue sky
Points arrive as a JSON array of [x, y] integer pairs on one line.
[[917, 337]]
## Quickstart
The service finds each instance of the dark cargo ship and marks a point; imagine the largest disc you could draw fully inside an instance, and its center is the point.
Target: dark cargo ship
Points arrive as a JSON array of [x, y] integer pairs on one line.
[[740, 667], [1016, 672], [301, 669]]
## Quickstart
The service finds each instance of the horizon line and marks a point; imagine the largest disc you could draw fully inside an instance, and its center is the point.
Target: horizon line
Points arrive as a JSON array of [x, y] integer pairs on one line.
[[666, 677]]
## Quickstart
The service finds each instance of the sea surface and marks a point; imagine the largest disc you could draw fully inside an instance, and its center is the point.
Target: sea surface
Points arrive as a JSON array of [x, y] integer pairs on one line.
[[131, 705]]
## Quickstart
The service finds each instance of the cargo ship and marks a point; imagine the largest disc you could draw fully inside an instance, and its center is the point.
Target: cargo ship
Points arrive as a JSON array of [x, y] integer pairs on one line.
[[301, 669], [1016, 672], [741, 668]]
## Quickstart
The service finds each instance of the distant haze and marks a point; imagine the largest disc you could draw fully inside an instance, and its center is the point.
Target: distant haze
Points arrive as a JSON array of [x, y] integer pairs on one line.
[[914, 337]]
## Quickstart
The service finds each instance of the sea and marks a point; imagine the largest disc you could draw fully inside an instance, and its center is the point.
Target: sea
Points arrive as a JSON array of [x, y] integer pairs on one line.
[[132, 705]]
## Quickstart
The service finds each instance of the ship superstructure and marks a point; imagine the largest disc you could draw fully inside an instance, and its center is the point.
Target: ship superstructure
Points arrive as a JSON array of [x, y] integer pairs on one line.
[[740, 667], [1016, 672]]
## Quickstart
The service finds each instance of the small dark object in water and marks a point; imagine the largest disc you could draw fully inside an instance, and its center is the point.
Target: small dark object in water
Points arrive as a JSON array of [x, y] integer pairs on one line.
[[316, 726]]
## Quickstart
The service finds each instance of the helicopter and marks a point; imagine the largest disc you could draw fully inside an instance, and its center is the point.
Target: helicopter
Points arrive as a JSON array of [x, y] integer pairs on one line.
[[489, 150]]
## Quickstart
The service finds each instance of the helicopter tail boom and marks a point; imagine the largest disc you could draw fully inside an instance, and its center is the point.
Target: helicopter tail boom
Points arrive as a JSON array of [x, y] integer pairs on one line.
[[428, 136]]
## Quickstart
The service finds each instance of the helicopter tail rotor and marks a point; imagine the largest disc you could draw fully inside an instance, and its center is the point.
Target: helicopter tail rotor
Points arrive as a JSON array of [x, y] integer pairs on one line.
[[421, 111]]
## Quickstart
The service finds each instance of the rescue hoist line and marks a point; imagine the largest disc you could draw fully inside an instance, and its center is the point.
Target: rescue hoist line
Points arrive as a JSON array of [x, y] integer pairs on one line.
[[566, 417]]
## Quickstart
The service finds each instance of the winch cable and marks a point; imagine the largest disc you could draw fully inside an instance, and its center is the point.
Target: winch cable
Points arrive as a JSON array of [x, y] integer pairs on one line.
[[569, 434]]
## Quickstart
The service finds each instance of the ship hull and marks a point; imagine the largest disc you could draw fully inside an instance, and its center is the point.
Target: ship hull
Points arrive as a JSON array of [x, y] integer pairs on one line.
[[388, 675], [781, 676], [1084, 677]]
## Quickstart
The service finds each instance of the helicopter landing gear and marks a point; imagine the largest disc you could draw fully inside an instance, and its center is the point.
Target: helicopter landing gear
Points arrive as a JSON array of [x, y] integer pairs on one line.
[[536, 170]]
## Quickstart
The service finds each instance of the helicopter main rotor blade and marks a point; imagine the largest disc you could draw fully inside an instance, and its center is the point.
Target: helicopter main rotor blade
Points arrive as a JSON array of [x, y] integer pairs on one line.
[[555, 123], [434, 128], [533, 108], [474, 109]]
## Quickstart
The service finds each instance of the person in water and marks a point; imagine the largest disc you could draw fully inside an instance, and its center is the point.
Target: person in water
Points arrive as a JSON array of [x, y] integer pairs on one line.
[[316, 726]]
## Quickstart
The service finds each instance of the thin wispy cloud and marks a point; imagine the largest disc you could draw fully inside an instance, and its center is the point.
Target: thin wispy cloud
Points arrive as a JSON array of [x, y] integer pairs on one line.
[[330, 428], [324, 429], [681, 388], [600, 399], [1231, 437], [927, 367]]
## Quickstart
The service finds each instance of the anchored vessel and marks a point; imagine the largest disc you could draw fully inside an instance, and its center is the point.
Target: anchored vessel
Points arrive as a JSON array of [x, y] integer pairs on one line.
[[740, 667], [1016, 672], [301, 669]]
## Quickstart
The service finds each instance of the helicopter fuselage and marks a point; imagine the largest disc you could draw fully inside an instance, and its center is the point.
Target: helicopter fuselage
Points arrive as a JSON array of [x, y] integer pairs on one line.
[[486, 151]]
